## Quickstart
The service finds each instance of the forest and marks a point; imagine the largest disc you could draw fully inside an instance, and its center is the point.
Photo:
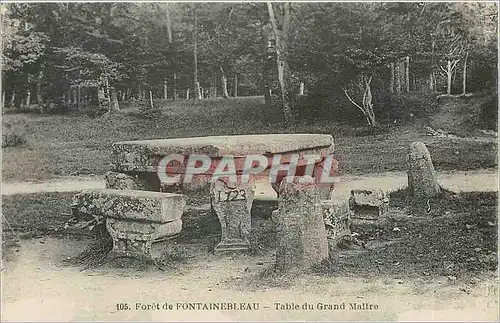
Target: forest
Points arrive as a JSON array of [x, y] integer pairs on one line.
[[360, 60]]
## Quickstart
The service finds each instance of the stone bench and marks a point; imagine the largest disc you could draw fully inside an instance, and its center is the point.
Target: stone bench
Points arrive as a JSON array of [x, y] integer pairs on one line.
[[368, 205], [135, 166], [139, 222]]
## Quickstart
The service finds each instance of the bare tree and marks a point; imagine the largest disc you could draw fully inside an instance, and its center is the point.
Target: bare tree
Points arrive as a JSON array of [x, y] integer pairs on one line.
[[366, 106]]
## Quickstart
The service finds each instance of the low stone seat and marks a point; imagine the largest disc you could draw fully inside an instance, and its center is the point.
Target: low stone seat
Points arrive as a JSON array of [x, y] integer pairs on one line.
[[337, 216], [139, 222], [368, 205]]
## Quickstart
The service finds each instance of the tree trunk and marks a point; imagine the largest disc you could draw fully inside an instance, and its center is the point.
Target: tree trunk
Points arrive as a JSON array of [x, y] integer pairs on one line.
[[151, 100], [169, 37], [301, 89], [266, 90], [39, 80], [407, 73], [464, 75], [367, 103], [28, 98], [281, 35], [431, 81], [78, 97], [448, 77], [196, 84], [114, 106], [391, 85], [174, 94], [187, 94], [235, 92], [366, 106], [432, 75], [165, 89], [74, 94], [169, 22], [398, 77], [13, 99], [213, 86], [223, 80], [265, 84], [68, 97]]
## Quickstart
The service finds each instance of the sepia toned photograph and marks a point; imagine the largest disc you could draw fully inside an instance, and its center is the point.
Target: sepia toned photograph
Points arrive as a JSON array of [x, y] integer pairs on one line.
[[249, 161]]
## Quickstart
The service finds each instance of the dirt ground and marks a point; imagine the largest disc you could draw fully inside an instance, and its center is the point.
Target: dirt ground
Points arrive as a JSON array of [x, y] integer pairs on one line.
[[472, 180], [37, 282], [37, 285]]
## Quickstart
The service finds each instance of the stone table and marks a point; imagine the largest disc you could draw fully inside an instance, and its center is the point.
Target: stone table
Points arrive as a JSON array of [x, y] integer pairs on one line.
[[137, 164]]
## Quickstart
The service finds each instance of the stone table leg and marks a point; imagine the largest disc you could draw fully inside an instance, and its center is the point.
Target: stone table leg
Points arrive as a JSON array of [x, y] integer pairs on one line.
[[232, 203]]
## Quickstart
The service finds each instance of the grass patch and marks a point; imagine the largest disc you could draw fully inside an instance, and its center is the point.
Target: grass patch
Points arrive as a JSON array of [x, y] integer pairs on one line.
[[78, 144], [39, 214], [464, 116], [93, 256], [13, 133], [33, 216], [459, 236], [10, 244]]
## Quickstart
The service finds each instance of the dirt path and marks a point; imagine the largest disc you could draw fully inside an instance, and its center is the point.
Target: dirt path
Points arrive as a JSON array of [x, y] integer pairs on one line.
[[37, 286], [474, 180], [63, 184]]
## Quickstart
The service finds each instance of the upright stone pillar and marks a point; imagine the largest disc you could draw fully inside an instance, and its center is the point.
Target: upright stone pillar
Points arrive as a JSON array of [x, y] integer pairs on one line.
[[337, 217], [301, 235], [232, 202], [422, 178]]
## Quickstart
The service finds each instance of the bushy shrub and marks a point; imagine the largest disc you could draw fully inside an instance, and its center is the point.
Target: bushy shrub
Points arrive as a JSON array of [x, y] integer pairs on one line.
[[404, 106], [333, 106], [13, 135], [146, 111], [44, 108], [489, 112], [94, 110], [12, 139]]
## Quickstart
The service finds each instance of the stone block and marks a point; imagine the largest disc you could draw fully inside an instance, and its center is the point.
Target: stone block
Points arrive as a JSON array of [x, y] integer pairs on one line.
[[422, 178], [143, 155], [130, 205], [143, 240], [337, 216], [368, 204]]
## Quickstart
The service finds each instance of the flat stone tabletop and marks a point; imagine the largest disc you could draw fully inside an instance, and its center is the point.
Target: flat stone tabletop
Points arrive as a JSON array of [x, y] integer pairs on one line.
[[239, 145]]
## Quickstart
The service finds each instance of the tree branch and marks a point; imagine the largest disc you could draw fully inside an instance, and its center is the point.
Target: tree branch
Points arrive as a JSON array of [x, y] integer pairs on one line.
[[352, 101]]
